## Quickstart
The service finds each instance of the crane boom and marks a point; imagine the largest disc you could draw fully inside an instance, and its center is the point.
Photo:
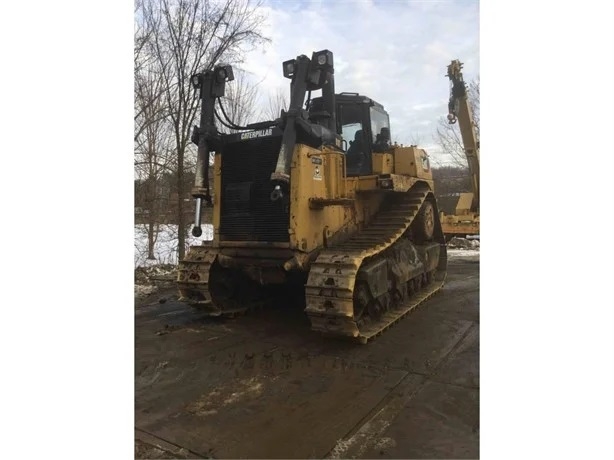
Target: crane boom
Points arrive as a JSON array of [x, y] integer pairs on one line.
[[460, 109]]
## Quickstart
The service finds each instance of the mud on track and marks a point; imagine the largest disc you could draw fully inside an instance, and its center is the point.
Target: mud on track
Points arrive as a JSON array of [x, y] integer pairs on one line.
[[265, 386]]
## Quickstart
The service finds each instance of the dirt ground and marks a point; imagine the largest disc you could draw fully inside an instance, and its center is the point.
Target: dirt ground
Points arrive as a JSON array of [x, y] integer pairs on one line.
[[265, 386]]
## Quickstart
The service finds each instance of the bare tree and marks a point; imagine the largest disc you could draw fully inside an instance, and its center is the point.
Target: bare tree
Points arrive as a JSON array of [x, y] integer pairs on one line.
[[141, 36], [416, 139], [148, 89], [239, 102], [154, 152], [474, 99], [277, 102], [448, 136], [152, 156], [183, 38]]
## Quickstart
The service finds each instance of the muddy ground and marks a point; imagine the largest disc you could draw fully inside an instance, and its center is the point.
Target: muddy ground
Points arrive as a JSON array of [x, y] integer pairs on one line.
[[265, 386]]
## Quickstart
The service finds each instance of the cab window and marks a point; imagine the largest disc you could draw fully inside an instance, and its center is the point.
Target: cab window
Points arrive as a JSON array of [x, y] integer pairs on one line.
[[379, 120]]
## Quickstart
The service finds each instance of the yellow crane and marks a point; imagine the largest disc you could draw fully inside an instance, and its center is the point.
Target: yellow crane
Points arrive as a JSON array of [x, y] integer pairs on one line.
[[466, 219]]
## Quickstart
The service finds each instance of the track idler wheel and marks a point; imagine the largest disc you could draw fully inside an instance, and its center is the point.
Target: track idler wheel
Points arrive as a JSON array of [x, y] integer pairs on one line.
[[424, 226]]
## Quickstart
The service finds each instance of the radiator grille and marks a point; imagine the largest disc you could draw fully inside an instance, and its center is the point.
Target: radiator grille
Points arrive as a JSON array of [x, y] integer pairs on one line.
[[247, 212]]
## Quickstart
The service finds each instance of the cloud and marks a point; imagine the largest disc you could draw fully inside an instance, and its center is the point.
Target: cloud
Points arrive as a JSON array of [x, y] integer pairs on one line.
[[429, 105], [393, 52]]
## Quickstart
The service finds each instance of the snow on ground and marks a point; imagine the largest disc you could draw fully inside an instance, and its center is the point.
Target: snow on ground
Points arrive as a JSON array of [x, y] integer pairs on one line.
[[464, 243], [460, 253], [464, 248], [148, 280], [143, 290], [165, 246]]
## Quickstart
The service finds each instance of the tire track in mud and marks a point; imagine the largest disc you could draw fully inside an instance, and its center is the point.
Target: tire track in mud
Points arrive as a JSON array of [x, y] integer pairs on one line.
[[165, 446], [367, 433], [287, 348]]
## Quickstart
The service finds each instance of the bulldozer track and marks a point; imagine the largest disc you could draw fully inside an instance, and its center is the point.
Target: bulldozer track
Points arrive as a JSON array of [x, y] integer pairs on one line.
[[193, 284], [329, 291], [193, 280]]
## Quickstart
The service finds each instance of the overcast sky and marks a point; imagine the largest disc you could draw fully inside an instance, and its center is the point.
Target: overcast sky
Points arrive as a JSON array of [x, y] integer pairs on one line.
[[395, 52]]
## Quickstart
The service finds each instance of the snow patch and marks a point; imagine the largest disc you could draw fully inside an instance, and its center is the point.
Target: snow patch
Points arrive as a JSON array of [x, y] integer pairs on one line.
[[463, 253], [141, 290], [166, 239], [464, 243], [464, 248]]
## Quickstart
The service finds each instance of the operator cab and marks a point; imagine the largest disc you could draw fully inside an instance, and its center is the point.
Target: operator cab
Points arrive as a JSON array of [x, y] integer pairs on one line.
[[364, 126]]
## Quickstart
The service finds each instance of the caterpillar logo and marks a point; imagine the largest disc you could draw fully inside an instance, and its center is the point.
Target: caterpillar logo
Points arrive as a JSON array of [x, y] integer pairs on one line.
[[254, 134]]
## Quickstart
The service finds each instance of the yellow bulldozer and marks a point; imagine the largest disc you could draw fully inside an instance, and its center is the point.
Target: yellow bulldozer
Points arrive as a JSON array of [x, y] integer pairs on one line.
[[317, 201], [466, 218]]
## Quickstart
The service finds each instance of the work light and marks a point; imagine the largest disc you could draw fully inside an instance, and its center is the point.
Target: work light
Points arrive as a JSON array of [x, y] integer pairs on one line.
[[196, 81], [224, 73], [289, 68], [323, 59]]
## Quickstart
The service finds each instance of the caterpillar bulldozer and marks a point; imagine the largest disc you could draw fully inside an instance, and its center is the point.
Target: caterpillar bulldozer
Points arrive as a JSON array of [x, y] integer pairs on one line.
[[317, 201], [466, 218]]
